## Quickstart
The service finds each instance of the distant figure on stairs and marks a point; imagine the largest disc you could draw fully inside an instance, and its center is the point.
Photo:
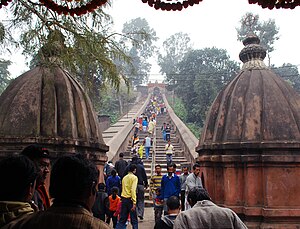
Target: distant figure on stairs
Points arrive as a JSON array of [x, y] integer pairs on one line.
[[147, 144], [163, 130], [169, 152], [168, 132]]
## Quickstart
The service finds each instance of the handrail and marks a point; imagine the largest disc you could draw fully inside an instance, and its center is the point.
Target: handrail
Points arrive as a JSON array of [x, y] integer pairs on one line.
[[153, 150], [188, 139], [153, 156], [115, 143]]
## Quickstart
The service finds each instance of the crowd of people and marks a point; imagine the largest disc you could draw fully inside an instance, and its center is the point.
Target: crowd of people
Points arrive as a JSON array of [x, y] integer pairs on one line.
[[79, 201]]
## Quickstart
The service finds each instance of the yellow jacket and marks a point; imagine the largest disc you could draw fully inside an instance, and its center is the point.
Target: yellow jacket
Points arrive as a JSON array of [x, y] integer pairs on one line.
[[129, 186]]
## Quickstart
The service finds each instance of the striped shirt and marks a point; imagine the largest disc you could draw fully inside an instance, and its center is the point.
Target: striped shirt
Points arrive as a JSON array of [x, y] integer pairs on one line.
[[155, 182]]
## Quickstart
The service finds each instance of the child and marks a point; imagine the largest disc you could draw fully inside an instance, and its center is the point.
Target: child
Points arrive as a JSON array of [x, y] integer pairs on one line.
[[141, 151], [158, 205], [101, 205], [114, 201]]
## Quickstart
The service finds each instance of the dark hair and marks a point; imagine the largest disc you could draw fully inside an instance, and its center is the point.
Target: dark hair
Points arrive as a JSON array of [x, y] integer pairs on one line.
[[158, 166], [198, 194], [173, 203], [72, 177], [121, 154], [16, 173], [170, 165], [115, 190], [113, 172], [196, 165], [132, 167], [101, 186], [35, 151]]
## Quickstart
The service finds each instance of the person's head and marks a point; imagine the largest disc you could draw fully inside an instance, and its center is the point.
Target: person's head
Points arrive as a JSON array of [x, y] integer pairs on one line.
[[157, 191], [173, 205], [113, 172], [132, 168], [73, 179], [158, 169], [185, 170], [114, 191], [121, 155], [134, 159], [101, 187], [169, 142], [17, 177], [197, 194], [41, 158], [170, 169], [196, 169]]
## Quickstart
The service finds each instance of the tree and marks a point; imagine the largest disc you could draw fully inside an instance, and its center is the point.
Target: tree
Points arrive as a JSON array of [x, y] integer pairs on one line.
[[114, 102], [90, 48], [140, 39], [202, 74], [173, 51], [290, 73], [4, 74], [267, 31]]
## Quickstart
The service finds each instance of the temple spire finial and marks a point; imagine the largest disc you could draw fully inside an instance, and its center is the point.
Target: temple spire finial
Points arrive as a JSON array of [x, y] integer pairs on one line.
[[253, 54]]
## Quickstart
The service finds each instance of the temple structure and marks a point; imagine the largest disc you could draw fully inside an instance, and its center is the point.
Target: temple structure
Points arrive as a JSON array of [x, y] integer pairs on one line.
[[250, 146], [47, 105]]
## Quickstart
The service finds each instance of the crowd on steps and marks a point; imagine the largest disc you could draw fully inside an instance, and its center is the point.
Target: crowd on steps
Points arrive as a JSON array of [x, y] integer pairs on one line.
[[75, 199]]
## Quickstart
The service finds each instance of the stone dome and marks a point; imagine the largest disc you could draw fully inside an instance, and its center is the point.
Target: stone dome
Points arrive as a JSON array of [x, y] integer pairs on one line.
[[257, 109], [47, 105]]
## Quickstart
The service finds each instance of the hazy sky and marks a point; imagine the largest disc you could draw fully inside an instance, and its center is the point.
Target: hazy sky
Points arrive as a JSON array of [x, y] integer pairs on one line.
[[210, 23]]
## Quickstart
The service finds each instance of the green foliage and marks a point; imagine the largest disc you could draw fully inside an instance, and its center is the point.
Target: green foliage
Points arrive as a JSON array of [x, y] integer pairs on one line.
[[202, 74], [4, 74], [290, 73], [195, 128], [174, 49], [180, 109], [267, 31], [139, 39], [88, 48], [114, 102]]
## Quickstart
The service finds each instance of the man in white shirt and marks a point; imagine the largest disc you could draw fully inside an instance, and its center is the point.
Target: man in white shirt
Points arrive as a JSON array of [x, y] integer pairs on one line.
[[193, 180], [169, 152]]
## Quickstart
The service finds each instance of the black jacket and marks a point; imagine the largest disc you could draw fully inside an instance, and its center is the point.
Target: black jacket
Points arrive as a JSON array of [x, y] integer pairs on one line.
[[120, 167], [140, 173]]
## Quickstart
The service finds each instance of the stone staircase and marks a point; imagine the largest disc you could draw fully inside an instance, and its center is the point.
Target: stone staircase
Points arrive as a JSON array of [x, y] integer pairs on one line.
[[159, 151]]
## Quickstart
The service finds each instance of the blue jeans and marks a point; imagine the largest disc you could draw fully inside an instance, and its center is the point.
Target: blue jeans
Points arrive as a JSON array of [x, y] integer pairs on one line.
[[125, 210], [168, 136], [164, 135], [169, 158], [140, 203], [147, 152]]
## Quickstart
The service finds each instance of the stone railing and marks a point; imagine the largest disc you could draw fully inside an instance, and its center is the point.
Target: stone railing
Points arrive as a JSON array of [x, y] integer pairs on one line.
[[120, 141], [186, 138]]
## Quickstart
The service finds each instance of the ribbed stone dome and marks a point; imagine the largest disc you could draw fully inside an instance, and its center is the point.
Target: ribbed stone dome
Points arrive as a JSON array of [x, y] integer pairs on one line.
[[47, 105], [257, 108]]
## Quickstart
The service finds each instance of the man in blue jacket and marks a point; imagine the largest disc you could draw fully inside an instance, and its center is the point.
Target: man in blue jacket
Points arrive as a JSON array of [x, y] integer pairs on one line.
[[170, 185]]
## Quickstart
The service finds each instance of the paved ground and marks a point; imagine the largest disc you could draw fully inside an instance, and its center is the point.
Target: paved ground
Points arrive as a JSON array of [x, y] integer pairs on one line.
[[148, 222]]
